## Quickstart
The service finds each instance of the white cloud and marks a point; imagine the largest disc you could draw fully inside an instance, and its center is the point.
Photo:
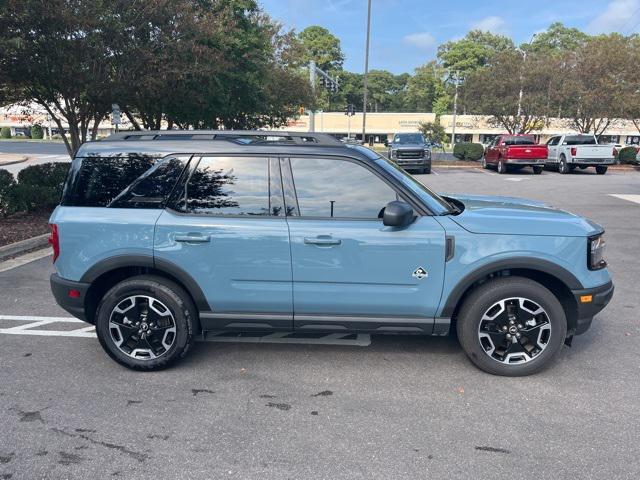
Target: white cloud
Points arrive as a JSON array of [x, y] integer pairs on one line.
[[619, 16], [491, 24], [422, 40]]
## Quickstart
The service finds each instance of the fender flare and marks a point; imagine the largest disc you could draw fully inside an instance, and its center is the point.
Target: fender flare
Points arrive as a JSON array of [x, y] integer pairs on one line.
[[535, 264], [165, 266]]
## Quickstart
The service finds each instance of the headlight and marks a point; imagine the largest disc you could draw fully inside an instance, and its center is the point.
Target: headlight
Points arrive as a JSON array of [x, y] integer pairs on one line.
[[394, 154], [595, 252], [427, 153]]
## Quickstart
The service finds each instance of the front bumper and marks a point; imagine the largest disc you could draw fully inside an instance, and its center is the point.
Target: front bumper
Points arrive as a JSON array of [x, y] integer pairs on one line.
[[409, 163], [75, 304], [600, 297]]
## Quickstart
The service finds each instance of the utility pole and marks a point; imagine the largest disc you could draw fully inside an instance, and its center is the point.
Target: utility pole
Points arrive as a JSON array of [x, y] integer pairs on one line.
[[312, 81], [524, 64], [366, 73], [455, 112]]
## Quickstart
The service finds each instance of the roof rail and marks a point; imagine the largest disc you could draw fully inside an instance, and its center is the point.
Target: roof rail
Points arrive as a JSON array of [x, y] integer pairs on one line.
[[239, 136]]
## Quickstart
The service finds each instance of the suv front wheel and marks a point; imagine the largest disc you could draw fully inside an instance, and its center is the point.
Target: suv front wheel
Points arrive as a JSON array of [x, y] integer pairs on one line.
[[146, 322], [511, 326]]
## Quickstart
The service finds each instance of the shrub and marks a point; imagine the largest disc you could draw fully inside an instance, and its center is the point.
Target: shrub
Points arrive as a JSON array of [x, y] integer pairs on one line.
[[7, 184], [468, 151], [628, 155], [5, 132], [459, 150], [39, 187], [36, 132]]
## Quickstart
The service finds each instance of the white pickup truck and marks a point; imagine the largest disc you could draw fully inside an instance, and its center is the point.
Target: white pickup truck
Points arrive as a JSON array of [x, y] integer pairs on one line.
[[566, 152]]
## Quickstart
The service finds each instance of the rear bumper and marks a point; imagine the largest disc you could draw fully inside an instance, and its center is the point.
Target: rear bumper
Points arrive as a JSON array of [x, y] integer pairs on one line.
[[526, 161], [600, 297], [75, 305], [593, 161]]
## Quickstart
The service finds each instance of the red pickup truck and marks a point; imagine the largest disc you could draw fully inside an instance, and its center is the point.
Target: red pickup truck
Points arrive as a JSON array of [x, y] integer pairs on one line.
[[515, 151]]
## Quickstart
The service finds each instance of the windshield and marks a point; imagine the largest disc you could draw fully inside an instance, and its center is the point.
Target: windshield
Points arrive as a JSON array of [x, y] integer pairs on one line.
[[517, 140], [408, 138]]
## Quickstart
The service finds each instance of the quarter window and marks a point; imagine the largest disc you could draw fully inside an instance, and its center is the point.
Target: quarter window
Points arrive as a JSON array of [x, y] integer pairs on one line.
[[338, 189], [231, 186]]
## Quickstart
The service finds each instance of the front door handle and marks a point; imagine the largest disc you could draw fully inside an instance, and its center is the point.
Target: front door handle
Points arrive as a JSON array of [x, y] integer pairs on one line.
[[192, 238], [322, 241]]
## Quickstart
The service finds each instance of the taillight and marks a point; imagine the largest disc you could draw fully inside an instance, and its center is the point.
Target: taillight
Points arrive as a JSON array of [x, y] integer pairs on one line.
[[615, 152], [54, 241], [574, 151]]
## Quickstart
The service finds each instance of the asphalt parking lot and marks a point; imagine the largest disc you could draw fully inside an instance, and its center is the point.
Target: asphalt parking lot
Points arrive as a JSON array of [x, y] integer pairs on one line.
[[380, 407]]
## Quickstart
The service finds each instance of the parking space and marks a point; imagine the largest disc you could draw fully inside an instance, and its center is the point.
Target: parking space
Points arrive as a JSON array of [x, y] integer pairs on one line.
[[331, 406]]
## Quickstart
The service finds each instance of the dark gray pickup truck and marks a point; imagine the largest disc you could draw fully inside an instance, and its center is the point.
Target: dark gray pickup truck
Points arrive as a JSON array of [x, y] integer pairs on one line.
[[411, 152]]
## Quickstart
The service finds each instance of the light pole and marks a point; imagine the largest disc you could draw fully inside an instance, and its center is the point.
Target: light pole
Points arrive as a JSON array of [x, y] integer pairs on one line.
[[455, 111], [524, 62], [366, 73]]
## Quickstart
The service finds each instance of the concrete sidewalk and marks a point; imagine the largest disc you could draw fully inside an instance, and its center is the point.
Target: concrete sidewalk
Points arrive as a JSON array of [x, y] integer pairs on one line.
[[11, 158]]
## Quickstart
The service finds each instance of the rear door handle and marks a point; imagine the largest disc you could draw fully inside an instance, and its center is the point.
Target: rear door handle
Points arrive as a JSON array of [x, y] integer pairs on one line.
[[192, 238], [322, 240]]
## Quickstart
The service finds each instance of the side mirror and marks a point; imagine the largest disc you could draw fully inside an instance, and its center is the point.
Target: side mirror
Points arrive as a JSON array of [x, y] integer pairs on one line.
[[386, 142], [397, 214]]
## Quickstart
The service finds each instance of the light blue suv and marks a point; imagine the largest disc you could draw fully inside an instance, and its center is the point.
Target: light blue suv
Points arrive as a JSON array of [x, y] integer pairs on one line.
[[164, 236]]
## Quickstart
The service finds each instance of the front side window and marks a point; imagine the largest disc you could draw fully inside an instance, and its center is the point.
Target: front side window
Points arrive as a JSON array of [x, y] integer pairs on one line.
[[231, 186], [332, 188]]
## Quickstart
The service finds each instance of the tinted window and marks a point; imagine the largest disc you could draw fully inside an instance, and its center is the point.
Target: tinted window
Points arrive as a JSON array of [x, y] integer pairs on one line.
[[338, 188], [231, 186], [409, 138], [152, 187], [580, 140], [96, 181], [516, 140]]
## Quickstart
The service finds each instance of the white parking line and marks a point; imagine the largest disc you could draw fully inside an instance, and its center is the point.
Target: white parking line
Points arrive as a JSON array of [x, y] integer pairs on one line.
[[434, 172], [487, 171], [88, 331], [628, 197], [24, 259]]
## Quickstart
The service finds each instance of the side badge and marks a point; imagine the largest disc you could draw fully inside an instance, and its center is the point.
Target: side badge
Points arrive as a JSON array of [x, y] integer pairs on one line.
[[420, 273]]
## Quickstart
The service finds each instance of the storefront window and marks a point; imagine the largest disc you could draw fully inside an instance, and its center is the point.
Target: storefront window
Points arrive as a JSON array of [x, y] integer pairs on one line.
[[632, 140]]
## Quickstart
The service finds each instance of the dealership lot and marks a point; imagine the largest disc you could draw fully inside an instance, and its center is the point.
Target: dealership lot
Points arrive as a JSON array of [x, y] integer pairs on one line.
[[363, 407]]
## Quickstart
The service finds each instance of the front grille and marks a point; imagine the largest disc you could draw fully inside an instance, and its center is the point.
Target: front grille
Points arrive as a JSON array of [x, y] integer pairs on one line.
[[410, 153]]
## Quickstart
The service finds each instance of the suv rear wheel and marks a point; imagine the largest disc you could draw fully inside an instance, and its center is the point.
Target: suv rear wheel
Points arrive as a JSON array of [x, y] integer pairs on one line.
[[146, 322], [511, 326]]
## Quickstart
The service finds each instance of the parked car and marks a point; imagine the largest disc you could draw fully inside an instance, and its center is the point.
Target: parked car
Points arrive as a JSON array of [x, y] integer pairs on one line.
[[411, 152], [515, 151], [163, 236], [566, 152]]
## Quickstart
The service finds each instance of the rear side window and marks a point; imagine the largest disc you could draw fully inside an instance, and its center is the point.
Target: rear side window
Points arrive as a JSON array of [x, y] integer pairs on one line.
[[242, 186], [132, 181]]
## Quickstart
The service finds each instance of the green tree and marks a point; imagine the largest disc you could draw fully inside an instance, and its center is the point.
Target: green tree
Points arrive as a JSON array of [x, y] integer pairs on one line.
[[596, 80], [495, 90], [426, 90], [473, 51], [557, 39], [321, 45], [433, 131]]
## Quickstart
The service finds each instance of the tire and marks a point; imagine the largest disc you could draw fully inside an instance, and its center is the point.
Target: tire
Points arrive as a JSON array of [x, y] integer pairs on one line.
[[563, 167], [601, 169], [537, 170], [151, 299], [502, 167], [477, 329], [484, 163], [427, 170]]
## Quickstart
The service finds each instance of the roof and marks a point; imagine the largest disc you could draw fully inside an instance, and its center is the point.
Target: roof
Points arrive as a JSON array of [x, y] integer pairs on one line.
[[162, 142]]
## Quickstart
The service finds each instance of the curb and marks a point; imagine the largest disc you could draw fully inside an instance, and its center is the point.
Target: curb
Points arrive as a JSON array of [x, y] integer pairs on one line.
[[23, 246], [4, 163]]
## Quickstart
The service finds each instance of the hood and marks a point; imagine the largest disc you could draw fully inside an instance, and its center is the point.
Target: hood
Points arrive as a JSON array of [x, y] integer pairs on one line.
[[519, 216]]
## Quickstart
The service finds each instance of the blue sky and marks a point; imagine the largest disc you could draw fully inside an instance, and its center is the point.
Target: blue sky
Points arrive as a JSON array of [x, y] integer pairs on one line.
[[406, 33]]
